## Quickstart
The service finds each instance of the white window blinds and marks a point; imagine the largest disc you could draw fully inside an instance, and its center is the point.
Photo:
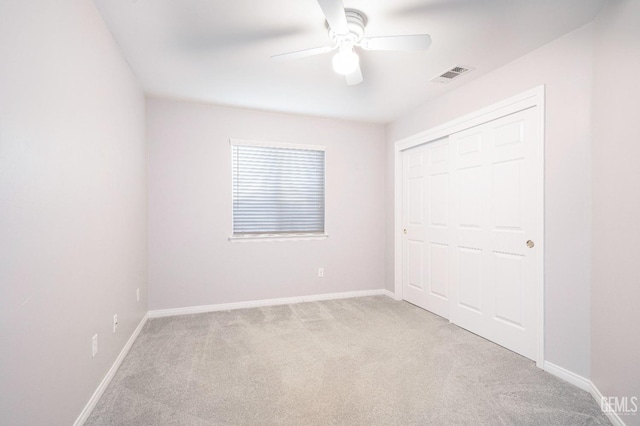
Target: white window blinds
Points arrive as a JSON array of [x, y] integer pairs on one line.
[[277, 190]]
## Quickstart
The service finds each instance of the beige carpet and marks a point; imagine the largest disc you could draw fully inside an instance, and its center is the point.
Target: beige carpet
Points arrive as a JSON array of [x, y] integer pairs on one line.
[[364, 361]]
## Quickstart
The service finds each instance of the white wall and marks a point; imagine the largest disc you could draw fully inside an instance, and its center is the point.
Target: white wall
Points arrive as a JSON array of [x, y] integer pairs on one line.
[[192, 262], [72, 207], [564, 67], [616, 203]]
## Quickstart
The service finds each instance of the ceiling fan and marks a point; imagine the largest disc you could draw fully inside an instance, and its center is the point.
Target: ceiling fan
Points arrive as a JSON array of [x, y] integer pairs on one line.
[[347, 31]]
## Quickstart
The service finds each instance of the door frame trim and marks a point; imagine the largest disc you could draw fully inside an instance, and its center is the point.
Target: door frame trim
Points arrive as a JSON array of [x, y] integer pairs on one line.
[[529, 99]]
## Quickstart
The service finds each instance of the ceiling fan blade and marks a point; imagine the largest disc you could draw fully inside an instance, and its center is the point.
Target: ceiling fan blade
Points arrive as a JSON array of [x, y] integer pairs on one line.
[[302, 53], [401, 42], [334, 12], [355, 77]]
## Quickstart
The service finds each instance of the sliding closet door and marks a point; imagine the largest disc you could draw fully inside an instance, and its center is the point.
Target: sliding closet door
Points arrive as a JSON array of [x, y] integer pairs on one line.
[[471, 218], [493, 278], [427, 235]]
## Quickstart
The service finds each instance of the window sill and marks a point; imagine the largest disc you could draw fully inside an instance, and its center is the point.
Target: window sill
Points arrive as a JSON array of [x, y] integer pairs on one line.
[[277, 237]]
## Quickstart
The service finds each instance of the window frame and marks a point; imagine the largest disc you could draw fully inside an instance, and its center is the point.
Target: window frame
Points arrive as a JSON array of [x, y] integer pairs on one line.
[[293, 236]]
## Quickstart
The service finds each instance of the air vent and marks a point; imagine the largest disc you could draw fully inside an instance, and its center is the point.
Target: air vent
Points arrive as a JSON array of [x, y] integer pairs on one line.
[[452, 74]]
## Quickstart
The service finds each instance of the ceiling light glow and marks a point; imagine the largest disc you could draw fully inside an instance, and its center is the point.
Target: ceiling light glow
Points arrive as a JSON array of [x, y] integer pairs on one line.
[[345, 61]]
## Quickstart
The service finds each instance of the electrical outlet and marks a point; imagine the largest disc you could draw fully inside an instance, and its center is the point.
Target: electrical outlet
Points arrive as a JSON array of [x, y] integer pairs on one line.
[[115, 322], [94, 346], [137, 294], [320, 272]]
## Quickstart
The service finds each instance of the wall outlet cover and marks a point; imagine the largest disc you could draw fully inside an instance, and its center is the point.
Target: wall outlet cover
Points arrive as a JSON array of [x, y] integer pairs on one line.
[[94, 346]]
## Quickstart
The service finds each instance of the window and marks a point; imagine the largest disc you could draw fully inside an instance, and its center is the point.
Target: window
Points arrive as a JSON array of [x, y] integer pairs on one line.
[[278, 190]]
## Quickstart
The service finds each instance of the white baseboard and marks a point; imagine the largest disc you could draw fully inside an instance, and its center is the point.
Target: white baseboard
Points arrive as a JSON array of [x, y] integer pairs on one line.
[[86, 412], [568, 376], [613, 417], [393, 295], [390, 294], [267, 302], [584, 384]]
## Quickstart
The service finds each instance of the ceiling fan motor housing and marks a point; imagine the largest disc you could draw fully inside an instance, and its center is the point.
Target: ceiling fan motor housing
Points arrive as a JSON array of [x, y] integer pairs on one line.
[[356, 21]]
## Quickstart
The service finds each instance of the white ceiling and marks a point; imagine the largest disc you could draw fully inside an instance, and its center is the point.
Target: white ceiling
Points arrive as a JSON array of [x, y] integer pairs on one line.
[[218, 52]]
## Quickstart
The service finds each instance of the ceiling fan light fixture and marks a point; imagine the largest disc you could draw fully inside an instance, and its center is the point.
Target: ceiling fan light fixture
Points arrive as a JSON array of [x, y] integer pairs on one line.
[[346, 30], [345, 61]]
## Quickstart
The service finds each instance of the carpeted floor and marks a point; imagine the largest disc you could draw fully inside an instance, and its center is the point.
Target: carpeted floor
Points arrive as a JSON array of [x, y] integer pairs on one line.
[[364, 361]]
